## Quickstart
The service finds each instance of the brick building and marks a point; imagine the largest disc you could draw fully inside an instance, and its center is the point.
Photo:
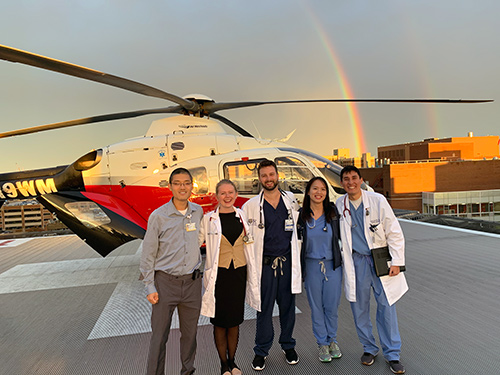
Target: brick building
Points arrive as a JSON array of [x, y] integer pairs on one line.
[[404, 183], [455, 148]]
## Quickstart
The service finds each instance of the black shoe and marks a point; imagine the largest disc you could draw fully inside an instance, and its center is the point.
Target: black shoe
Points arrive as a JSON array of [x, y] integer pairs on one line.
[[224, 369], [235, 370], [367, 359], [259, 362], [397, 367], [291, 356]]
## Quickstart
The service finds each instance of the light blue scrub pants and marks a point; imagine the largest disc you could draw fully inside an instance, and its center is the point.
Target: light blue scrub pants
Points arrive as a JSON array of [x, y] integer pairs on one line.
[[323, 292], [386, 318]]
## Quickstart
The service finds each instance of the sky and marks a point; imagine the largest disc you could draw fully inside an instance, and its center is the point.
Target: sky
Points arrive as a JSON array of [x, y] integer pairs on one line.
[[235, 50]]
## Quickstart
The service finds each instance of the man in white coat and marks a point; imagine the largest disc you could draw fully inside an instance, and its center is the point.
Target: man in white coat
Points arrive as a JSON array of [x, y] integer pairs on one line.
[[272, 218], [368, 222]]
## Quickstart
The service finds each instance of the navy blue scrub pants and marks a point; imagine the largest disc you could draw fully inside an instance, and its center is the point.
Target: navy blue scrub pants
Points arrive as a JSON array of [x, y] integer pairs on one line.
[[276, 285]]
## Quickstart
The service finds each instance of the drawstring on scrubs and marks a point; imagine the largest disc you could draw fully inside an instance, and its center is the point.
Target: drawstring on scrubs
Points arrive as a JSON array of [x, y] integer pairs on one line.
[[323, 269], [278, 261]]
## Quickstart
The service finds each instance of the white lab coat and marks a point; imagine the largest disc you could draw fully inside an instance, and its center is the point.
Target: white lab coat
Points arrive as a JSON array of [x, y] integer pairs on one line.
[[377, 212], [211, 233], [254, 212]]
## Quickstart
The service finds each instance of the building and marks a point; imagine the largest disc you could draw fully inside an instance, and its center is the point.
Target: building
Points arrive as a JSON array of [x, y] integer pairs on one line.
[[477, 204], [404, 183], [455, 148], [341, 157], [27, 216], [434, 176]]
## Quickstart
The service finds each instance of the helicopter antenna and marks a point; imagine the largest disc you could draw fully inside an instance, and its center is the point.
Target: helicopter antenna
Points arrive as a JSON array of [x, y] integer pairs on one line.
[[257, 130]]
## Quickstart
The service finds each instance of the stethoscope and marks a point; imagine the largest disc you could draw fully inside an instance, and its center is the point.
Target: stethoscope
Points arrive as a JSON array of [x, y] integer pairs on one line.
[[325, 229], [261, 215], [346, 208]]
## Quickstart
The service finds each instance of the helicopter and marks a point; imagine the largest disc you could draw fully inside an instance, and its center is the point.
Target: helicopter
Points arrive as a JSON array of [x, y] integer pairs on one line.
[[107, 195]]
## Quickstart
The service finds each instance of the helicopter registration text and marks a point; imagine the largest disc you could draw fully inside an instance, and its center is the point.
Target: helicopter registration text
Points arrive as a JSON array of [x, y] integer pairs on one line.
[[24, 189]]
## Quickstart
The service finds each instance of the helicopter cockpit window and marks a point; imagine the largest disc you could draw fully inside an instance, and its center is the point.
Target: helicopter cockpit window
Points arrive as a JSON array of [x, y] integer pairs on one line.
[[200, 180], [330, 174], [330, 170], [293, 173], [89, 213], [244, 175]]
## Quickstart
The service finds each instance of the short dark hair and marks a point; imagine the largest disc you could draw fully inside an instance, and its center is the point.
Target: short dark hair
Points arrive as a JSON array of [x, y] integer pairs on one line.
[[179, 171], [266, 163], [349, 168]]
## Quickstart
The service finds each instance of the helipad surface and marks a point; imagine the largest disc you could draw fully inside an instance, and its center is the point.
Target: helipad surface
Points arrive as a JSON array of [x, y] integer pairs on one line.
[[66, 310]]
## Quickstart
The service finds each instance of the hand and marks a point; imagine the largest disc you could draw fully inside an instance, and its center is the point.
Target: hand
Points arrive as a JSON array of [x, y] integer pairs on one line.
[[394, 270], [153, 298]]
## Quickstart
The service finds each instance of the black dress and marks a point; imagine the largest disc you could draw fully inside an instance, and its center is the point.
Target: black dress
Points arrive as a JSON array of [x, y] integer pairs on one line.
[[231, 282]]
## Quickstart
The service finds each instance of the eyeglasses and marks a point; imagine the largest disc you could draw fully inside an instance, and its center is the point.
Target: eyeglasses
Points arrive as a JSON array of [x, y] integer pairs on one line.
[[179, 184]]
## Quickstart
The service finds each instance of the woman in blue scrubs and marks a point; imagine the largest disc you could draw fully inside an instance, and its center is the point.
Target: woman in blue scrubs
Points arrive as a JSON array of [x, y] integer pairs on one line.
[[321, 265]]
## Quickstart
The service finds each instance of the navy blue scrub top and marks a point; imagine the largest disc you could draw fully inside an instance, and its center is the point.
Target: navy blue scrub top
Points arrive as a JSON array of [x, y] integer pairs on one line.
[[276, 240]]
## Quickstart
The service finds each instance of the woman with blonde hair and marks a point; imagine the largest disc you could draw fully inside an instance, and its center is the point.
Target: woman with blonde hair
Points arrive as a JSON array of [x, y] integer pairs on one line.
[[229, 277]]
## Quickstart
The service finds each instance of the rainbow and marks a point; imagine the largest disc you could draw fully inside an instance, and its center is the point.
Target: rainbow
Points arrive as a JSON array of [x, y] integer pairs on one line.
[[353, 112]]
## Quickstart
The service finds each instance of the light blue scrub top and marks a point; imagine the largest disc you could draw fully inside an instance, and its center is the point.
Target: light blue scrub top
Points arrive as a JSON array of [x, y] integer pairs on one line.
[[359, 243], [319, 241]]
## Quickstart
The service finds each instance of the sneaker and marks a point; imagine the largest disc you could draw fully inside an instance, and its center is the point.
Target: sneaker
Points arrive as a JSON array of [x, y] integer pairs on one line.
[[324, 354], [334, 350], [367, 359], [291, 356], [258, 363], [397, 367]]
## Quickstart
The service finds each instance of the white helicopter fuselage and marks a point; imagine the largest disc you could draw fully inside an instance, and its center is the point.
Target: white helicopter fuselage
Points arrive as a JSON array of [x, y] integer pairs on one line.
[[136, 171]]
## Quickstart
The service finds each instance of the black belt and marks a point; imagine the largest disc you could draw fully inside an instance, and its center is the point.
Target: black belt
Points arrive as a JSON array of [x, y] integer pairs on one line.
[[267, 260]]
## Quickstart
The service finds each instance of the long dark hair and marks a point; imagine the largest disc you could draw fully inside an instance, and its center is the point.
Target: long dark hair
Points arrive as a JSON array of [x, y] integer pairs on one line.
[[306, 212]]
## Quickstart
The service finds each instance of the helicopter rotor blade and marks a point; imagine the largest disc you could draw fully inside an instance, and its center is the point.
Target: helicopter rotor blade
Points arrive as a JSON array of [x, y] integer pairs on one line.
[[232, 125], [91, 120], [210, 108], [19, 56]]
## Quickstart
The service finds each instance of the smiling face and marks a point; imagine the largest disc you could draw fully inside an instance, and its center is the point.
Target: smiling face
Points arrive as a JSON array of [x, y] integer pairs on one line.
[[351, 182], [181, 187], [268, 177], [317, 192], [226, 196]]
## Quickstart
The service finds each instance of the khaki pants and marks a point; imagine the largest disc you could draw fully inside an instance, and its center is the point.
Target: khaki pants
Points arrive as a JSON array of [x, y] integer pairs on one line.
[[183, 293]]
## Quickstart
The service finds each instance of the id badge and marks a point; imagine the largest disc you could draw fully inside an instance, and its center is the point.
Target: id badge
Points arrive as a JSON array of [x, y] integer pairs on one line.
[[190, 227], [248, 239], [288, 225]]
